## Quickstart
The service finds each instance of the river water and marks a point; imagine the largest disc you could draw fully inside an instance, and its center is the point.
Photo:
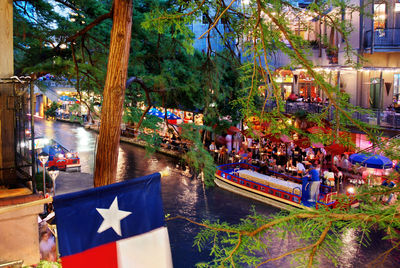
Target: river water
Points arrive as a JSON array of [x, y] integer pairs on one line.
[[188, 197]]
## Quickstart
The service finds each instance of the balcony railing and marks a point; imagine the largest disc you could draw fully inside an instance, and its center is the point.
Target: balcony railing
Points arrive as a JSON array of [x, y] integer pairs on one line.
[[382, 118], [382, 38]]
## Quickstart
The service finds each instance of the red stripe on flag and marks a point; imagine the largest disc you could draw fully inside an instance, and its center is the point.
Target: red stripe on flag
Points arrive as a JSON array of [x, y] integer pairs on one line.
[[101, 256]]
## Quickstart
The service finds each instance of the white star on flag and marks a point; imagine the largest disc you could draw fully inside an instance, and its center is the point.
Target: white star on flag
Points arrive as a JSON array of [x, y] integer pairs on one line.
[[112, 217]]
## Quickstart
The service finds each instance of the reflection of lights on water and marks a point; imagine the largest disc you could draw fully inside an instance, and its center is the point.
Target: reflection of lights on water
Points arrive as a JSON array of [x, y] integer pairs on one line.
[[83, 138], [188, 193], [350, 247], [153, 163], [121, 166]]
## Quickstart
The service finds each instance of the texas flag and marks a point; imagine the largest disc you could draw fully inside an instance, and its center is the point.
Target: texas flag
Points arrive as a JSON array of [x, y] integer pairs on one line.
[[118, 225]]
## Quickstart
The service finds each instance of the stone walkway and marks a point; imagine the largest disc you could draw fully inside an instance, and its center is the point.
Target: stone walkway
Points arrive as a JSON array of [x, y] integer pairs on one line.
[[68, 182]]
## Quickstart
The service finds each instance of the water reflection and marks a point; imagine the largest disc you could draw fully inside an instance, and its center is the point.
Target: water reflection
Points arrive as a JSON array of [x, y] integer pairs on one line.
[[188, 197], [121, 171], [84, 140], [350, 247]]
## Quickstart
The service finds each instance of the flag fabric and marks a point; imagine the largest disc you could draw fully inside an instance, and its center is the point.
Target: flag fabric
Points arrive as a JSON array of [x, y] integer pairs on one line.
[[117, 225]]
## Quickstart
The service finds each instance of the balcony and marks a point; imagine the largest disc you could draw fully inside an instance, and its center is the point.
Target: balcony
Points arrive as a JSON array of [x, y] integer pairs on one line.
[[383, 39], [382, 118]]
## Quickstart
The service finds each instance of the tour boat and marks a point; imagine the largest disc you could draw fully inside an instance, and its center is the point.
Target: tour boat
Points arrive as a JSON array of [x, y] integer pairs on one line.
[[61, 157], [278, 190]]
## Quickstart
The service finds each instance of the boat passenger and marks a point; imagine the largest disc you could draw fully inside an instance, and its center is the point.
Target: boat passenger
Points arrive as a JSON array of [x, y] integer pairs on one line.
[[232, 155], [264, 169], [329, 176], [315, 183], [301, 170]]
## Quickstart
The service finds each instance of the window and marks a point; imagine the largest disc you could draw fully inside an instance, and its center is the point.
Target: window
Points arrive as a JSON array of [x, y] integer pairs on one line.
[[396, 88], [248, 184], [286, 196], [278, 194], [255, 187], [204, 19], [270, 191], [262, 189], [397, 7], [379, 16]]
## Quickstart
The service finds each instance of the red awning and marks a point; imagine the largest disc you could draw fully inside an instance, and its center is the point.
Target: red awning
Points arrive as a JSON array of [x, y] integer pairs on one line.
[[318, 130], [233, 129], [303, 143], [278, 138], [317, 145], [336, 149]]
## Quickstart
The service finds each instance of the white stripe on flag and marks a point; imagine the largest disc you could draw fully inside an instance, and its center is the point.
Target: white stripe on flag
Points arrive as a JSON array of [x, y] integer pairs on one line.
[[147, 250]]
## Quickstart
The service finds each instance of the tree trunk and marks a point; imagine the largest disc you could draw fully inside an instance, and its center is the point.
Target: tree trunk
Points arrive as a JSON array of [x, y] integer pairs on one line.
[[7, 145], [114, 94]]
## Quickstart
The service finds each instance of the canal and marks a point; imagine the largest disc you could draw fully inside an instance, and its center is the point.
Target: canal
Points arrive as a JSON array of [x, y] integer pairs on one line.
[[189, 198]]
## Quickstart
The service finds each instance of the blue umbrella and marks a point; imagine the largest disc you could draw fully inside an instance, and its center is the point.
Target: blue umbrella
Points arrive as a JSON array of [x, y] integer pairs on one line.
[[156, 112], [65, 98], [371, 161], [171, 116]]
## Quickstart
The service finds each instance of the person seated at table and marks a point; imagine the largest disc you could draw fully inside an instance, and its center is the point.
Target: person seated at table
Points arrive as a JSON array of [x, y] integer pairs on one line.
[[272, 164], [329, 177], [243, 155], [303, 155], [232, 155], [310, 155], [289, 166], [264, 169], [257, 149], [319, 155], [212, 147], [280, 168], [345, 163], [301, 170], [213, 150], [223, 155], [249, 155], [297, 153]]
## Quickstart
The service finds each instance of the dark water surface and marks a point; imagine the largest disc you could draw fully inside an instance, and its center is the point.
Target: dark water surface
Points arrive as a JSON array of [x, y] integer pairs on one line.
[[187, 197]]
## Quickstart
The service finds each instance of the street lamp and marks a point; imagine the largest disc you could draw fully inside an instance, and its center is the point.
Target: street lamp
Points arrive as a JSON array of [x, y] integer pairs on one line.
[[43, 157], [53, 171]]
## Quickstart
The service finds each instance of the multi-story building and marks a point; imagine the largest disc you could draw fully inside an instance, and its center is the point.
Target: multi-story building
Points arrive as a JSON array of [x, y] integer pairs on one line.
[[375, 45], [214, 40], [375, 42], [379, 83]]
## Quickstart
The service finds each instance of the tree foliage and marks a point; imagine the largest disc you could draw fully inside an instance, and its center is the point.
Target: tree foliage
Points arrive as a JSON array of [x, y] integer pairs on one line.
[[265, 28], [169, 73]]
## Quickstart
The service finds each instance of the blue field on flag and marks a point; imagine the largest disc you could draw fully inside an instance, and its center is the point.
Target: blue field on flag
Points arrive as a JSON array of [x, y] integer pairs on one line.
[[114, 218]]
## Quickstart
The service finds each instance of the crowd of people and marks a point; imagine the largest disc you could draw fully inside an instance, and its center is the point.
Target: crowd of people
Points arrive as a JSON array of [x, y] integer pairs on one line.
[[289, 158], [283, 157]]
